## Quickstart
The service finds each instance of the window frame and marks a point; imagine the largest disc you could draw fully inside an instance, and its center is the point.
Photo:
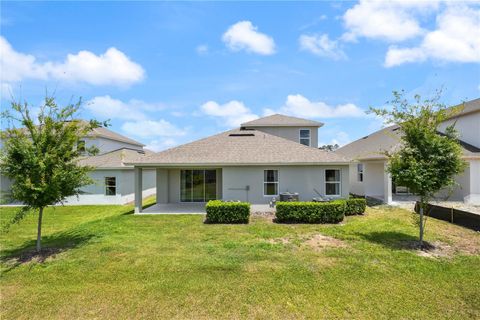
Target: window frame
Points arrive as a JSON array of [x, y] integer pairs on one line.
[[275, 182], [339, 182], [110, 186], [360, 173], [309, 137]]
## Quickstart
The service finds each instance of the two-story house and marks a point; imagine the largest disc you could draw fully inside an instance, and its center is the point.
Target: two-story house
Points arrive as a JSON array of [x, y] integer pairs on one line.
[[255, 163], [368, 175], [113, 178]]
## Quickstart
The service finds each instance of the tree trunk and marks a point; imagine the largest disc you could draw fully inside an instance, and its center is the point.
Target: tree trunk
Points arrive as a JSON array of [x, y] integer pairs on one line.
[[39, 230], [421, 222]]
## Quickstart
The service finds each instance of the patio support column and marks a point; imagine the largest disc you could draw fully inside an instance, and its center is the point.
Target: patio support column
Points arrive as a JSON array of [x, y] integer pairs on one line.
[[138, 189], [387, 186]]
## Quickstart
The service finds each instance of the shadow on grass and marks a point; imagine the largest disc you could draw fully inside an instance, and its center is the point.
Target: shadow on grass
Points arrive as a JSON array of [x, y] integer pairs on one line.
[[395, 240], [51, 246], [145, 206]]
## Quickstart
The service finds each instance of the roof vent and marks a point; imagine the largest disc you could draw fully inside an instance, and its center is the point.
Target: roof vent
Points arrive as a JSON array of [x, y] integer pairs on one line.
[[241, 134]]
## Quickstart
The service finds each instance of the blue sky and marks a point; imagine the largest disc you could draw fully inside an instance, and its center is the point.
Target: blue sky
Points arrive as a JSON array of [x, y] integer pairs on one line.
[[169, 73]]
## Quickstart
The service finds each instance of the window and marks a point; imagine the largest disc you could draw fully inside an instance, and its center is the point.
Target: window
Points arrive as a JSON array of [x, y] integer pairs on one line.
[[110, 186], [270, 182], [360, 172], [332, 182], [81, 147], [305, 137]]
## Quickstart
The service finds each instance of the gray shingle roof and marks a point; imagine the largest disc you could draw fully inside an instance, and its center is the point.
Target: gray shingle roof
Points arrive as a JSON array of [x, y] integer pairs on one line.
[[242, 147], [375, 145], [280, 120], [469, 107], [114, 159]]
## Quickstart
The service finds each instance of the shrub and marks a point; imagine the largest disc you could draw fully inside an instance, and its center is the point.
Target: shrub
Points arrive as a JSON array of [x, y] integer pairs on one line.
[[355, 206], [227, 212], [310, 212]]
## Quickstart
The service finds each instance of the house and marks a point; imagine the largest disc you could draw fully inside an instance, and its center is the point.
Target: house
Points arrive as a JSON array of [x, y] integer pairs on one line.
[[255, 163], [368, 175], [113, 178]]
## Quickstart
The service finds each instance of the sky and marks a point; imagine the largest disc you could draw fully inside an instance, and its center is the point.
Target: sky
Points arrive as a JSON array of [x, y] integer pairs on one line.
[[167, 73]]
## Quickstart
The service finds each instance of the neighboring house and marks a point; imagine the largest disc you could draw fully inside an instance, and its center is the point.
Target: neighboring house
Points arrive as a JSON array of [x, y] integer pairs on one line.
[[254, 163], [113, 179], [368, 176]]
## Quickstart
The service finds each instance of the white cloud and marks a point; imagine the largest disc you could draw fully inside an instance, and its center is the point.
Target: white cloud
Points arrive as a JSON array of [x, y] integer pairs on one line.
[[230, 114], [110, 68], [159, 145], [152, 128], [321, 45], [300, 106], [388, 20], [341, 138], [107, 107], [456, 39], [244, 36], [202, 49]]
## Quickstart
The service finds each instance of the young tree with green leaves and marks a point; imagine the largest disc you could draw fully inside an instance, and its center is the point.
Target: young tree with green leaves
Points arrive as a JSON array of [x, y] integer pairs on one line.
[[428, 160], [40, 155]]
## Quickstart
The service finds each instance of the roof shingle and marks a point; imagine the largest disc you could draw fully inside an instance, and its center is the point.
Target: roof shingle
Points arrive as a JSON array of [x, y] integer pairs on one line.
[[280, 120], [242, 147]]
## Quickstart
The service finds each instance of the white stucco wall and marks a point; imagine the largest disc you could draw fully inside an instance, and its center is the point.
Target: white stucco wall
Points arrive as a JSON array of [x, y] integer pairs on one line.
[[301, 179], [474, 193], [95, 193], [373, 178], [468, 127], [356, 187], [291, 133], [107, 145]]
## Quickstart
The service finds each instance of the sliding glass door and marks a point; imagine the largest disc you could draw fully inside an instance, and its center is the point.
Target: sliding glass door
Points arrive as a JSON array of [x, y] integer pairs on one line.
[[198, 185]]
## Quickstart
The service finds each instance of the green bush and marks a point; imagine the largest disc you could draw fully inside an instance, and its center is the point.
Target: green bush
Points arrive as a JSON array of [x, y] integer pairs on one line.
[[355, 206], [310, 212], [227, 212]]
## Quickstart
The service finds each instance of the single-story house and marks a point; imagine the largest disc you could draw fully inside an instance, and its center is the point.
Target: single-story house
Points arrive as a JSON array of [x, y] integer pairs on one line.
[[255, 163], [368, 175]]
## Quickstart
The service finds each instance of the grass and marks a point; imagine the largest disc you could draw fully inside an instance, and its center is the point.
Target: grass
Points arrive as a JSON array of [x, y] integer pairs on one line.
[[110, 264]]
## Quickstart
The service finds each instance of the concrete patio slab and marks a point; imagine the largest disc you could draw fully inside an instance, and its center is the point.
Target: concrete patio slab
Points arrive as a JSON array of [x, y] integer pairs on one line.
[[175, 208]]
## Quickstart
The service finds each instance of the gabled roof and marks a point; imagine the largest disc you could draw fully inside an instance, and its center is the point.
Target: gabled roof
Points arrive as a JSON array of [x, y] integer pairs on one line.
[[468, 107], [280, 120], [115, 158], [388, 139], [242, 147], [108, 134]]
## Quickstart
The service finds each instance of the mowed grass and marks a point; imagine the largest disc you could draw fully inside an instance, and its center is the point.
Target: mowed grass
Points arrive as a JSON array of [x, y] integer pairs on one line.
[[116, 265]]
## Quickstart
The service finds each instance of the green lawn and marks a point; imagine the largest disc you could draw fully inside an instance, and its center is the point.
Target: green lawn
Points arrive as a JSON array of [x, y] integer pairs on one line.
[[115, 265]]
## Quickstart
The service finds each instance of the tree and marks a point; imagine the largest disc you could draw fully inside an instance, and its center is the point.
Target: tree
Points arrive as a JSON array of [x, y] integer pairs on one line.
[[40, 156], [427, 160], [329, 147]]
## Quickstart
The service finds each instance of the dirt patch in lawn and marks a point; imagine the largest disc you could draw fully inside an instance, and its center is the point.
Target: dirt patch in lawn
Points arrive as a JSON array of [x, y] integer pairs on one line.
[[316, 242], [319, 242], [32, 256], [439, 249]]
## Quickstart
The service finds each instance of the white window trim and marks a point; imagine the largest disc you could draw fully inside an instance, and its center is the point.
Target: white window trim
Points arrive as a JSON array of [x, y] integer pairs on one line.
[[332, 182], [360, 172], [309, 136], [264, 182], [116, 186]]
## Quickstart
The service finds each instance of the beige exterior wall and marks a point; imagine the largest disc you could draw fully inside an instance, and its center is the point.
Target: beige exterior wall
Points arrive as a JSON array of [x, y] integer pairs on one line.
[[291, 133]]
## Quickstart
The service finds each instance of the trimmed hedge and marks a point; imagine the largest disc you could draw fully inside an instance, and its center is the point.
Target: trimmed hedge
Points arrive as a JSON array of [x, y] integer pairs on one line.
[[227, 212], [310, 212], [318, 212], [355, 206]]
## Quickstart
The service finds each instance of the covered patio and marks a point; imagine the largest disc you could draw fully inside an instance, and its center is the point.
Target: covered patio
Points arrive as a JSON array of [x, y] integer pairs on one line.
[[175, 208]]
